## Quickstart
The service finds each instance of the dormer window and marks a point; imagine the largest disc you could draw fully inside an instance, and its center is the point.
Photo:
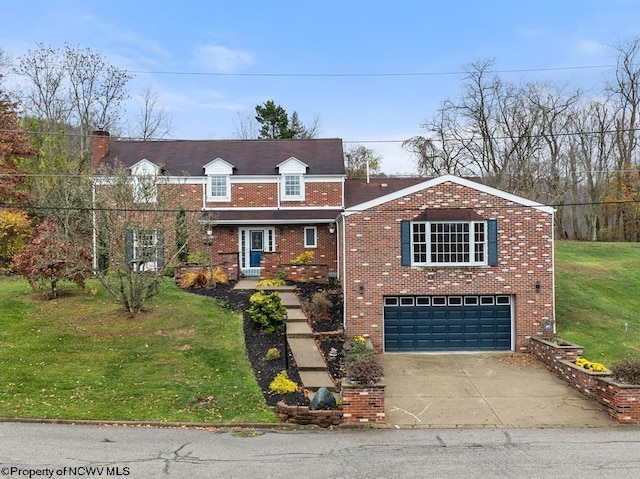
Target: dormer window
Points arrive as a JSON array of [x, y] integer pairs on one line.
[[218, 188], [293, 187], [292, 173], [218, 174], [144, 175]]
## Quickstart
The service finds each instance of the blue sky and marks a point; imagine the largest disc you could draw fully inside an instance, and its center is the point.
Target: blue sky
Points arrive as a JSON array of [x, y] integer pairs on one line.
[[332, 38]]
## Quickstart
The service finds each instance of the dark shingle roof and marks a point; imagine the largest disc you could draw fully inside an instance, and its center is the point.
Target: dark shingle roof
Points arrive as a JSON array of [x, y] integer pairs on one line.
[[358, 190], [249, 157]]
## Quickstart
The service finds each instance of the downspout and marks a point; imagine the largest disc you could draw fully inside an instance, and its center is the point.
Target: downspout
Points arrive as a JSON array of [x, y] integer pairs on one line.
[[94, 222], [344, 271], [553, 270]]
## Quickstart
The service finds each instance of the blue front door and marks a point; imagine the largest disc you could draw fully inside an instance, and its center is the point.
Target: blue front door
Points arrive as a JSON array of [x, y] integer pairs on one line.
[[257, 246]]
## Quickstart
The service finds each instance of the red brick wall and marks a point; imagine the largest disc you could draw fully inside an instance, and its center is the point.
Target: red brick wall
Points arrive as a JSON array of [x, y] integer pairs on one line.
[[251, 195], [373, 261], [362, 404]]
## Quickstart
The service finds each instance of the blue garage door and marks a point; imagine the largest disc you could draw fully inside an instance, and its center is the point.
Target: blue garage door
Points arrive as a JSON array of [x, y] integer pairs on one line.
[[447, 323]]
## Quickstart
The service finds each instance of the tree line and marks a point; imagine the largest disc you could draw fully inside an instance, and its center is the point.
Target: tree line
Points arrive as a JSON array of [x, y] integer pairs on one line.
[[572, 149]]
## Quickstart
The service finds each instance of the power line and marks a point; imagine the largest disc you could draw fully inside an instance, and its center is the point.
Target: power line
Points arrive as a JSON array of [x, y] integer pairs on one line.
[[357, 74], [393, 210], [506, 137]]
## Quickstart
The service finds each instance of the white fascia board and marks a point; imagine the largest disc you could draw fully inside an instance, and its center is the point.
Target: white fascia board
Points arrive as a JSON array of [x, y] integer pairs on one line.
[[275, 208], [305, 221], [453, 179]]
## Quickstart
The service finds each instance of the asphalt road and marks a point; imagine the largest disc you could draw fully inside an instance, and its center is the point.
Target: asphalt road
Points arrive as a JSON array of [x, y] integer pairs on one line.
[[41, 450]]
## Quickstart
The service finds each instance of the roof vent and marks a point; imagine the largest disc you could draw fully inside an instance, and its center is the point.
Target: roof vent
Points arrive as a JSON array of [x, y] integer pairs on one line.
[[383, 185]]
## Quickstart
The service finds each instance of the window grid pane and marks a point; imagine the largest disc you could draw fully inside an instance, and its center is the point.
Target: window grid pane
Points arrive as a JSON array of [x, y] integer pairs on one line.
[[292, 186], [218, 186], [450, 243], [419, 243], [479, 241]]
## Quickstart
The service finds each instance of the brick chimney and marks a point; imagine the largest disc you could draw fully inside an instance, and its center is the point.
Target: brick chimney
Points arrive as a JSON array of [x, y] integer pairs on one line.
[[99, 147]]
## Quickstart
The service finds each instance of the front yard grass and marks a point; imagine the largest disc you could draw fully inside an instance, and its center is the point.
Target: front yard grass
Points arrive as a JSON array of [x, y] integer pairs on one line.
[[82, 357], [598, 298]]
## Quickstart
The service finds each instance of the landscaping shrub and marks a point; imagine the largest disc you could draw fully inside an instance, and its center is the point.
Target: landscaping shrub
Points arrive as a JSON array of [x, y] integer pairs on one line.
[[626, 371], [303, 258], [272, 354], [357, 350], [365, 371], [198, 279], [220, 276], [266, 310], [281, 384], [320, 305], [272, 282]]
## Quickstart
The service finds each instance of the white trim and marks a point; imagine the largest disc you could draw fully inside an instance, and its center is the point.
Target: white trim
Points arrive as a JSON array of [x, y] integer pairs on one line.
[[315, 237], [472, 243], [220, 199], [443, 179], [295, 221], [283, 188], [284, 208]]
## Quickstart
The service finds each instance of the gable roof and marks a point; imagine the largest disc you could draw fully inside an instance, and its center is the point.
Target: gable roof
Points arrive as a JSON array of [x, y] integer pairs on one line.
[[249, 157], [351, 208]]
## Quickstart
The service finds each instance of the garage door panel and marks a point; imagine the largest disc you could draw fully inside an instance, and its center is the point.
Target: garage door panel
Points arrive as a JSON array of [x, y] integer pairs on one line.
[[461, 327]]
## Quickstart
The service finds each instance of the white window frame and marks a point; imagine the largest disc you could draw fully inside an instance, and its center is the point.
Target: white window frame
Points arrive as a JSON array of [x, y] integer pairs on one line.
[[315, 237], [292, 197], [145, 189], [226, 196], [422, 243], [145, 253]]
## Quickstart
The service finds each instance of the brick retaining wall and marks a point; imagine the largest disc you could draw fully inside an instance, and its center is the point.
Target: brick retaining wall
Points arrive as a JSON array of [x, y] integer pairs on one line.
[[622, 401], [362, 404]]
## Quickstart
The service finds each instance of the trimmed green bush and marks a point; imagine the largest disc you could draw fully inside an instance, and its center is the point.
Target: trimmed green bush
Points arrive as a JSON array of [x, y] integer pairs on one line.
[[266, 310], [281, 384]]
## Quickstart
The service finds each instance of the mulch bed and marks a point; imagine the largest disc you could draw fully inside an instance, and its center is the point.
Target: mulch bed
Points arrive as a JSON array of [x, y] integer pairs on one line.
[[328, 327]]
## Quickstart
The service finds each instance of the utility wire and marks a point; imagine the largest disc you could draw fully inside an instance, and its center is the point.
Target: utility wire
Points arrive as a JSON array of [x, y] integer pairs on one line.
[[395, 210]]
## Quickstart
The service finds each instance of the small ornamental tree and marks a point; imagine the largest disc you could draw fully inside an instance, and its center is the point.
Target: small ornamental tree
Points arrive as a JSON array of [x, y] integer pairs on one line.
[[48, 260]]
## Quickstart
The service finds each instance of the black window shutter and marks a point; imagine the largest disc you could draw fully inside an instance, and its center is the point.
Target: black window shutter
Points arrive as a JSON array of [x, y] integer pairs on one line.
[[405, 241], [129, 247], [492, 236]]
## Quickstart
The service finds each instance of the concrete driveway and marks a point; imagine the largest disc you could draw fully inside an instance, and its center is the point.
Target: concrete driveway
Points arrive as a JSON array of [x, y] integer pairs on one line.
[[482, 390]]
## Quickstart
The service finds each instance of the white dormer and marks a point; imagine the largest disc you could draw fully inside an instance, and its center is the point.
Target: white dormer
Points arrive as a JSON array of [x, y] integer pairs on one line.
[[292, 173], [144, 174], [145, 168], [218, 173]]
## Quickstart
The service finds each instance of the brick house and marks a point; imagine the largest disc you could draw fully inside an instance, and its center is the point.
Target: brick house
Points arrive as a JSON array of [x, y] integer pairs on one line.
[[443, 264], [257, 201]]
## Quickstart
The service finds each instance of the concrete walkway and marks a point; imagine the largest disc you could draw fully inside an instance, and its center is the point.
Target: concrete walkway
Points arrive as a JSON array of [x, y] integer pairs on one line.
[[482, 390], [311, 366]]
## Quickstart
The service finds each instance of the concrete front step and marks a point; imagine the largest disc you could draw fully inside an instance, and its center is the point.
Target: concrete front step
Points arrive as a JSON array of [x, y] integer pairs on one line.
[[295, 315], [314, 380], [299, 329], [306, 353], [289, 300]]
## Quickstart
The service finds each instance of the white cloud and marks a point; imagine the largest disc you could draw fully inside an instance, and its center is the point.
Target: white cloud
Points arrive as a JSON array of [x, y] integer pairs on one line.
[[219, 59], [591, 47]]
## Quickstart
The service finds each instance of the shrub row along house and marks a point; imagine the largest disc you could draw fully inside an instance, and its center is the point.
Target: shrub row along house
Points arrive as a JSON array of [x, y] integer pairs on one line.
[[440, 264]]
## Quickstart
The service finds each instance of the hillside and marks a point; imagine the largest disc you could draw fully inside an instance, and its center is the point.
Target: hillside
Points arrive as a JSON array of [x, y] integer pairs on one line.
[[598, 298]]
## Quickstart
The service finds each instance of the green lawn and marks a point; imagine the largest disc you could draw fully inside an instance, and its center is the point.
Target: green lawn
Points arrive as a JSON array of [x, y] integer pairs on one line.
[[598, 298], [81, 357]]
